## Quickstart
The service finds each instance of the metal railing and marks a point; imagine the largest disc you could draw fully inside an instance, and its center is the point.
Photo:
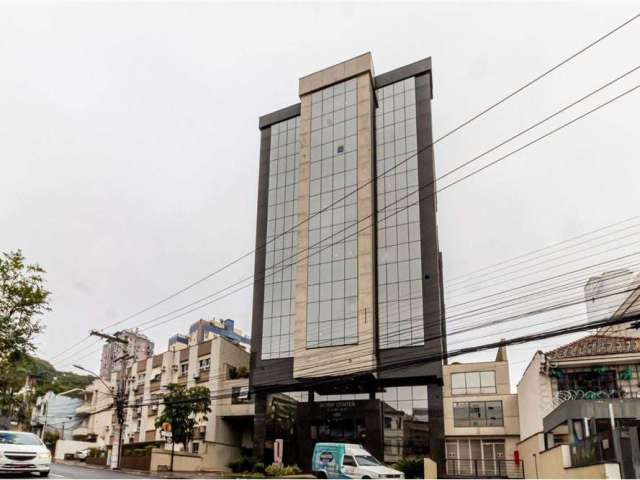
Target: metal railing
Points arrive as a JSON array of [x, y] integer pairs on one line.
[[484, 468]]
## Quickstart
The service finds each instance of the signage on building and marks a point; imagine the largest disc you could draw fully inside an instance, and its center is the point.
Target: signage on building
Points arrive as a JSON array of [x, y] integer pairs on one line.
[[278, 449]]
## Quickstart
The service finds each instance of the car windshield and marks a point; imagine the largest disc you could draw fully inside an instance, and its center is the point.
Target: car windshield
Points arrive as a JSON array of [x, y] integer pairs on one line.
[[367, 461], [16, 438]]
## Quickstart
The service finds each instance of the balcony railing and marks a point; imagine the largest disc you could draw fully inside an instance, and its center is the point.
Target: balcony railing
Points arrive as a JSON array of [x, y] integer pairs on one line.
[[484, 468]]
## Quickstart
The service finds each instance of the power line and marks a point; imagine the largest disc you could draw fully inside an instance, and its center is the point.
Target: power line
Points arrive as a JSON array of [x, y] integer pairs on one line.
[[538, 250], [505, 276], [418, 201], [458, 352], [480, 278], [449, 133]]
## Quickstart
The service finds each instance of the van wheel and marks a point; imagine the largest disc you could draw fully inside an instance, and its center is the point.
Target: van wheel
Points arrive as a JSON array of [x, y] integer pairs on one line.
[[44, 474], [366, 477], [320, 474]]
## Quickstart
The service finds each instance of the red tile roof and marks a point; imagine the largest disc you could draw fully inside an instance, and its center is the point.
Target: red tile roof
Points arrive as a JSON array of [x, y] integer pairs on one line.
[[596, 345]]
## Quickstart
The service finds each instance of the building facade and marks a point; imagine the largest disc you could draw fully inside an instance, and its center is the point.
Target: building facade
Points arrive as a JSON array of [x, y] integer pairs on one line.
[[203, 330], [481, 420], [138, 347], [348, 287], [213, 364], [578, 398], [95, 415], [56, 413]]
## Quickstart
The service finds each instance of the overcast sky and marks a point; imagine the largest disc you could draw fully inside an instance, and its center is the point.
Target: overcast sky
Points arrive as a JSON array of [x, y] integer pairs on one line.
[[129, 139]]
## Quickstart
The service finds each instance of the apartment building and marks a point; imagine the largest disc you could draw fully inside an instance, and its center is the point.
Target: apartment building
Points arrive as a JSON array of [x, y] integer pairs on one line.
[[349, 283], [481, 420], [138, 347], [95, 414], [204, 329], [213, 364]]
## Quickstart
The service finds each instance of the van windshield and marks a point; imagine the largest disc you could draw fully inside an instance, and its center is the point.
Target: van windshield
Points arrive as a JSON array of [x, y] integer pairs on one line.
[[367, 461], [16, 438]]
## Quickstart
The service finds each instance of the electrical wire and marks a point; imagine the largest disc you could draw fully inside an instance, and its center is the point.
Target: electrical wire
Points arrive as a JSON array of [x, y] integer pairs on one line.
[[439, 139]]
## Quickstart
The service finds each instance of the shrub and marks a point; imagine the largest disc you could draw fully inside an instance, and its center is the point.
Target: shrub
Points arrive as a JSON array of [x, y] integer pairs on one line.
[[412, 467], [244, 464], [259, 467], [276, 470], [97, 453]]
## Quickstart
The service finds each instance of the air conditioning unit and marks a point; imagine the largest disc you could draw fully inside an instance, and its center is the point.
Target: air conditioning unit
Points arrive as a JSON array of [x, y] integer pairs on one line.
[[175, 368], [154, 408], [196, 375]]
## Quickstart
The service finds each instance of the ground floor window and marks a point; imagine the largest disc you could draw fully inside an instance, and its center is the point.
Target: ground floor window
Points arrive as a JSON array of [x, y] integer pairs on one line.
[[195, 447]]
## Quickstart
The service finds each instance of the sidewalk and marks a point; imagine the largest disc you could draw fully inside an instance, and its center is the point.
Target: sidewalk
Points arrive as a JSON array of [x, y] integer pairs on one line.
[[144, 474], [147, 474]]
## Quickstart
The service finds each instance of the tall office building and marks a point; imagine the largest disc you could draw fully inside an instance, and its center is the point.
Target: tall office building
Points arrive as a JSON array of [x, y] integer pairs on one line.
[[348, 284]]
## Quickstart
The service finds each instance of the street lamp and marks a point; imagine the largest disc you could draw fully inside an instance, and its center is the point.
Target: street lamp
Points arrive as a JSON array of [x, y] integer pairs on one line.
[[79, 367]]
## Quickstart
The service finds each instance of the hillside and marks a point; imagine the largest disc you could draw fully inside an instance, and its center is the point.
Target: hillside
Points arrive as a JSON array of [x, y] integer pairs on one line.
[[47, 377]]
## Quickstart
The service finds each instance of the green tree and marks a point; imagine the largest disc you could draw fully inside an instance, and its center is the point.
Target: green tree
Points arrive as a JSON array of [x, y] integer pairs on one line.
[[182, 408], [23, 298]]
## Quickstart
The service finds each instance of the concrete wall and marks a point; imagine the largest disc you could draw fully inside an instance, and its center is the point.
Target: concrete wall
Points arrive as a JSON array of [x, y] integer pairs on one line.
[[534, 397], [216, 457], [556, 463], [182, 462], [529, 449], [72, 446]]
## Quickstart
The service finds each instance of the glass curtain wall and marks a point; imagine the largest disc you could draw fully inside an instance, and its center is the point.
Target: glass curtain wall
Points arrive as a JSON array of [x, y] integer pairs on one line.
[[332, 300], [279, 288], [400, 312]]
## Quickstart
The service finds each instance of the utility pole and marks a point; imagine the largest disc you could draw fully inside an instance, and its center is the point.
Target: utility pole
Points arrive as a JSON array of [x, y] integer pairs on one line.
[[120, 399]]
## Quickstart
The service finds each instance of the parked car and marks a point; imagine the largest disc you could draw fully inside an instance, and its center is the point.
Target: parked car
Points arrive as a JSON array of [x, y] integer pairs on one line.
[[82, 454], [23, 452], [348, 460]]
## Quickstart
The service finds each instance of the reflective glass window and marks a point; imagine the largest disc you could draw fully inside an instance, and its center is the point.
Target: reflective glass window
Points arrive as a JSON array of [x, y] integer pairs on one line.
[[279, 288]]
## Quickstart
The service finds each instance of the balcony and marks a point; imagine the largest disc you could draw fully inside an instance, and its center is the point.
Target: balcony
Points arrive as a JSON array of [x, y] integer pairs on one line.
[[240, 404], [80, 432], [84, 409]]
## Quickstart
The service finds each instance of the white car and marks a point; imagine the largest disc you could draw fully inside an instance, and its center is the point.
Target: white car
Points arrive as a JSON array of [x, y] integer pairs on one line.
[[82, 454], [23, 452]]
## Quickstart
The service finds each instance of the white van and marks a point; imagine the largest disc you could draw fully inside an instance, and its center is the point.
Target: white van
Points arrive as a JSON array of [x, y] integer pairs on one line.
[[23, 452], [348, 460]]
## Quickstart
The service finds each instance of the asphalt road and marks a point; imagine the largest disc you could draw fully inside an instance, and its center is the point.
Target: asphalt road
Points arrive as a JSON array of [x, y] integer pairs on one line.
[[72, 471]]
